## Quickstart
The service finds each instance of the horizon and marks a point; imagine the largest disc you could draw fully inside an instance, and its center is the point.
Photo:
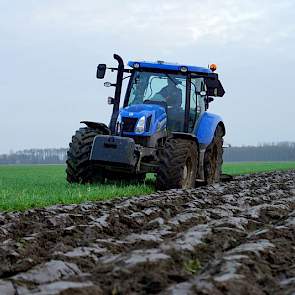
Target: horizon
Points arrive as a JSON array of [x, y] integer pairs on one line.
[[265, 144]]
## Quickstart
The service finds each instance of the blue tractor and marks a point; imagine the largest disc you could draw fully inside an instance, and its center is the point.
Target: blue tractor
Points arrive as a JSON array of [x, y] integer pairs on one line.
[[163, 127]]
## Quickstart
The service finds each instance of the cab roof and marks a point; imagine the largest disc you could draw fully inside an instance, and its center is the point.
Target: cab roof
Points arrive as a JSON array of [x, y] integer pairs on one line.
[[168, 66]]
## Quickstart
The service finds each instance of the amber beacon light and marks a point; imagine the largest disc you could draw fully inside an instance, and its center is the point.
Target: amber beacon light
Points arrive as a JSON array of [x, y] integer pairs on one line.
[[213, 67]]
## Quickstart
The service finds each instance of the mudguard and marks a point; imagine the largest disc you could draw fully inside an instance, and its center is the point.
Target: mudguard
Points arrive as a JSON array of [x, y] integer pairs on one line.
[[206, 127], [97, 126]]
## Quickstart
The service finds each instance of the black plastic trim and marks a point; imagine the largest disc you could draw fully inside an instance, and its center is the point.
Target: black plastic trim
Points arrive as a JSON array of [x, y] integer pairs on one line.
[[97, 126], [187, 103]]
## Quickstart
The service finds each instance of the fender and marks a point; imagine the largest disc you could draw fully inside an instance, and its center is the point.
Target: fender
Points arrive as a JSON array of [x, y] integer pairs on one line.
[[206, 127], [97, 126]]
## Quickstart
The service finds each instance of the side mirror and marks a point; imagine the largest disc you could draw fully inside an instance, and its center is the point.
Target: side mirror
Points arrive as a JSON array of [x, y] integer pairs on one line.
[[101, 70], [214, 87]]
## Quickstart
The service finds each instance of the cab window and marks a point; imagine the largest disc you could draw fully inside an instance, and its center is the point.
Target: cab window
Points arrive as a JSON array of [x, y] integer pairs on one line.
[[197, 101]]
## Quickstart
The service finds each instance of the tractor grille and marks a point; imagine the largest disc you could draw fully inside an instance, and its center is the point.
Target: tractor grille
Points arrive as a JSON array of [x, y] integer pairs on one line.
[[129, 124]]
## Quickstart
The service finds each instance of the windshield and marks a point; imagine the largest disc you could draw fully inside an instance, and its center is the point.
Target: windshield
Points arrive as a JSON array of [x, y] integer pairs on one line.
[[147, 87], [167, 90]]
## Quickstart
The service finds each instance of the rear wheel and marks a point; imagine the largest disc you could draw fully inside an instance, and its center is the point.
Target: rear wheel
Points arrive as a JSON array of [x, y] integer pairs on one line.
[[79, 168], [178, 162], [213, 158]]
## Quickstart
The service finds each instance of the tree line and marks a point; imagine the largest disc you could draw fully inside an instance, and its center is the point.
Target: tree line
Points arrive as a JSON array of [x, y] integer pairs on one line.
[[282, 151], [35, 156]]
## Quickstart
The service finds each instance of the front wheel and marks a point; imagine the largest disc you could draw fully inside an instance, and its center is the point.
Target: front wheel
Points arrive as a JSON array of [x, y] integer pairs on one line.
[[79, 168], [178, 162]]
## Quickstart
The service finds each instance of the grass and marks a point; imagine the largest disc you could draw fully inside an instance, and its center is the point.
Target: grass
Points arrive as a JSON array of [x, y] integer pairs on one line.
[[31, 186], [192, 266], [27, 186], [238, 168]]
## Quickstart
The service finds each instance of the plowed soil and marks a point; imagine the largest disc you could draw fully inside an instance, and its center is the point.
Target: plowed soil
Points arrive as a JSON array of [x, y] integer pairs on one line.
[[231, 238]]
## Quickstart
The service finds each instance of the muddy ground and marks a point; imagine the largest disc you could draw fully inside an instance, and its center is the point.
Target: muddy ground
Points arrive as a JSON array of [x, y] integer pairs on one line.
[[231, 238]]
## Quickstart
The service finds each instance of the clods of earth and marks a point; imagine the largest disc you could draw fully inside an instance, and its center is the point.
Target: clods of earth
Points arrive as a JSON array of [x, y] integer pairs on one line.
[[230, 238]]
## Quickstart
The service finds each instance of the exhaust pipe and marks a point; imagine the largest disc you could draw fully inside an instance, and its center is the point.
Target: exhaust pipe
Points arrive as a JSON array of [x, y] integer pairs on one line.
[[118, 90]]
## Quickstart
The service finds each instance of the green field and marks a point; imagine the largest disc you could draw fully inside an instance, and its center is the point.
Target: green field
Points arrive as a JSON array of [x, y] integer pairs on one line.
[[25, 186]]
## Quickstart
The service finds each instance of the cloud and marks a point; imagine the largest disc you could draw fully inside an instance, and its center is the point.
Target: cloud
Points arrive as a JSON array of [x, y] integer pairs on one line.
[[50, 49], [154, 23], [173, 23]]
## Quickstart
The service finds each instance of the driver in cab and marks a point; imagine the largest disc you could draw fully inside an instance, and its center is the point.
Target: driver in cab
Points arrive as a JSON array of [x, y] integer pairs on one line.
[[173, 97], [171, 94]]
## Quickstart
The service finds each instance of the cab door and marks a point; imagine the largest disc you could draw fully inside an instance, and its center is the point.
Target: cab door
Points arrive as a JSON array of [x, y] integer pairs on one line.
[[197, 101]]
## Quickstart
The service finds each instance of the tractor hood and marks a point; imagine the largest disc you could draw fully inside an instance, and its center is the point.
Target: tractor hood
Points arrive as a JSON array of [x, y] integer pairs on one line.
[[139, 110], [142, 119]]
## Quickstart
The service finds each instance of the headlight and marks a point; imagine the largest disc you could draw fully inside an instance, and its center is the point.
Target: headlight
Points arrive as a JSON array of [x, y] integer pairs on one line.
[[140, 126], [118, 124]]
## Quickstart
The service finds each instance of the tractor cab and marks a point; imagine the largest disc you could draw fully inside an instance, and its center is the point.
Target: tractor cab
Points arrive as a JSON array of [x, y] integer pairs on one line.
[[166, 95], [168, 90]]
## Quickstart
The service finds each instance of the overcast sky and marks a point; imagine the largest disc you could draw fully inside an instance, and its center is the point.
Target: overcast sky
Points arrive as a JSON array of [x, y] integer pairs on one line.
[[49, 50]]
